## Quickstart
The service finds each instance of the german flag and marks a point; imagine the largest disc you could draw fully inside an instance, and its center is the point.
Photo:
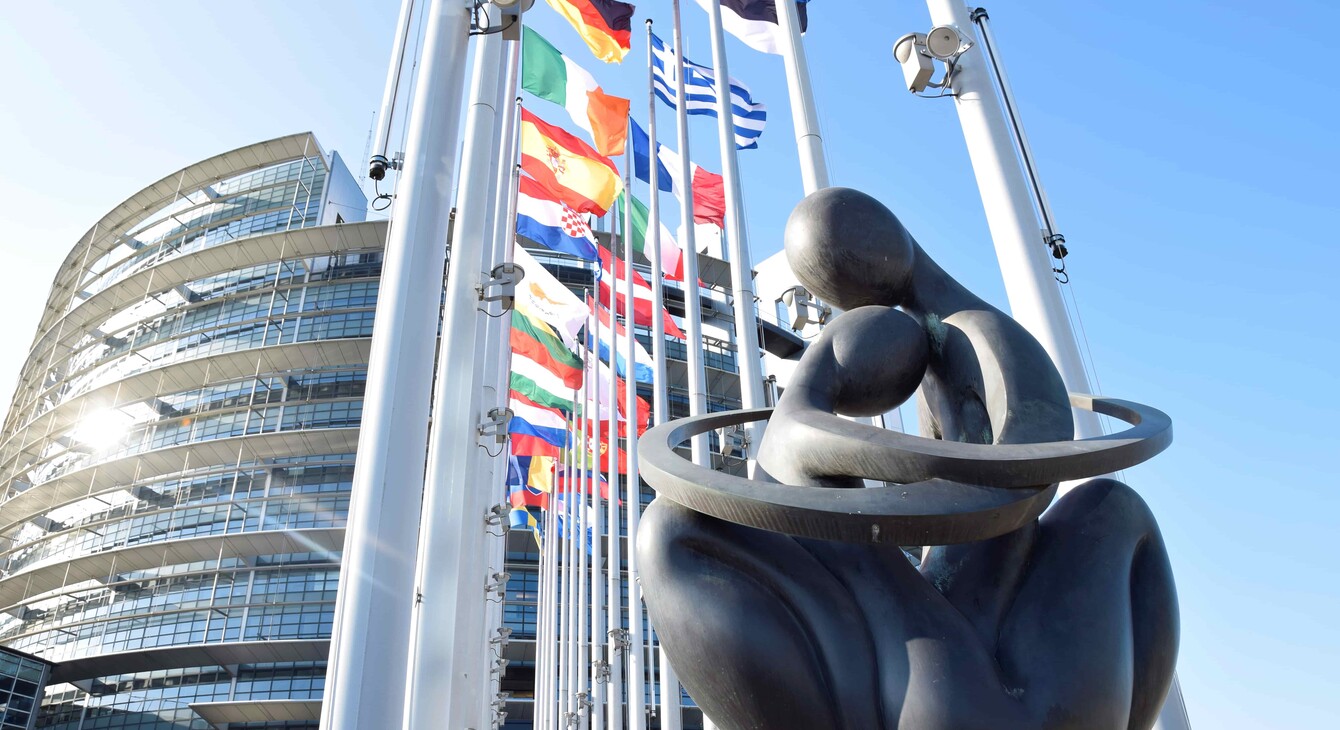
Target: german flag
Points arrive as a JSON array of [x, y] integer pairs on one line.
[[566, 167], [605, 25]]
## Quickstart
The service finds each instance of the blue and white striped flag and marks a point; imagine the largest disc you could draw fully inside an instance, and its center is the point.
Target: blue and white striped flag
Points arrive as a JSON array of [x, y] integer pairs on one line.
[[700, 94]]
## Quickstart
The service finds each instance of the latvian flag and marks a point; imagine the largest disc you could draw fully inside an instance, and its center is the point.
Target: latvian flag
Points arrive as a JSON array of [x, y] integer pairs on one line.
[[755, 22]]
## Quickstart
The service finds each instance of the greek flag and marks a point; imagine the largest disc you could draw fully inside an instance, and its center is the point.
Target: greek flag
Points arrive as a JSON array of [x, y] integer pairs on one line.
[[700, 94]]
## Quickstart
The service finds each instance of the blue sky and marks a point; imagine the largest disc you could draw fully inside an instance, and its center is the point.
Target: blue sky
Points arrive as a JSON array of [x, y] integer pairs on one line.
[[1187, 148]]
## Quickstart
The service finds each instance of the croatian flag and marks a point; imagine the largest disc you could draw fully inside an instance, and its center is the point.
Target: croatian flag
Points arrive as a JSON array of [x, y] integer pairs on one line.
[[551, 223]]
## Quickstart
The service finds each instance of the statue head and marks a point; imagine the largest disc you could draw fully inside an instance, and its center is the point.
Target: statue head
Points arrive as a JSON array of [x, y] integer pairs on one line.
[[850, 250]]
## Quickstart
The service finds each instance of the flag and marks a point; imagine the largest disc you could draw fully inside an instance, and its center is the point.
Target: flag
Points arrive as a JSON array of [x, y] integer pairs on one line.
[[570, 482], [539, 385], [644, 368], [542, 297], [566, 167], [534, 339], [536, 472], [672, 257], [536, 430], [605, 25], [552, 76], [551, 223], [755, 22], [519, 518], [601, 451], [643, 306], [700, 94], [599, 399], [709, 190]]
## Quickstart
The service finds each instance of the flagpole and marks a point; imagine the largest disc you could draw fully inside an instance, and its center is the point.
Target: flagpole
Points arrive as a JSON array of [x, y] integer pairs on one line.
[[639, 664], [582, 523], [614, 592], [804, 112], [671, 716], [498, 367], [570, 581], [445, 648], [597, 711], [631, 416], [366, 684], [660, 404], [748, 359]]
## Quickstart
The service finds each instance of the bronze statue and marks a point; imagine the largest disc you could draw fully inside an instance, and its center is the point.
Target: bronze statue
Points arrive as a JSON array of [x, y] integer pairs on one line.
[[787, 602]]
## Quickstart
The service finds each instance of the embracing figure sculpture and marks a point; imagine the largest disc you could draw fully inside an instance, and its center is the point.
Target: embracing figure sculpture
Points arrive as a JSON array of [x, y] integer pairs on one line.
[[785, 601]]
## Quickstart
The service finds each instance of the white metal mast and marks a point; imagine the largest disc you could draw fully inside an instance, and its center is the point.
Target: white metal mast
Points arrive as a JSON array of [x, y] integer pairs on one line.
[[365, 683], [747, 357], [446, 667], [804, 113], [1035, 299]]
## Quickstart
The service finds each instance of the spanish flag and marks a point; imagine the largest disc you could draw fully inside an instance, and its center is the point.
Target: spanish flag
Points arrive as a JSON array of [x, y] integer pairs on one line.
[[605, 25], [567, 167]]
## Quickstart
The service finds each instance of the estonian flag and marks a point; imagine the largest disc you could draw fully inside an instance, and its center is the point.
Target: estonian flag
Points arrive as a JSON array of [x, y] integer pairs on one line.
[[755, 22]]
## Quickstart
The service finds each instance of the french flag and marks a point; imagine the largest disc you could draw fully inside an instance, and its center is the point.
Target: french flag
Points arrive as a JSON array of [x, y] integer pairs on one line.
[[709, 190], [551, 223]]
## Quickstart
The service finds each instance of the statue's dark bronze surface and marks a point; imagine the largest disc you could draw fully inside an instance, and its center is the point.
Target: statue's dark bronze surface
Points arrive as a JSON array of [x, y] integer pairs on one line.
[[785, 601]]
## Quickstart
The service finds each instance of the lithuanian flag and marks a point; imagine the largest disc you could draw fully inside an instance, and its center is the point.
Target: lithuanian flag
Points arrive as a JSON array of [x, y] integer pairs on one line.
[[534, 339], [567, 167], [605, 25]]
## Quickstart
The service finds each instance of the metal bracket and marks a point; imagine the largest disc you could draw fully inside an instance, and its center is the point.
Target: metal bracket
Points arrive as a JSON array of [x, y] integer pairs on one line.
[[496, 426], [503, 278]]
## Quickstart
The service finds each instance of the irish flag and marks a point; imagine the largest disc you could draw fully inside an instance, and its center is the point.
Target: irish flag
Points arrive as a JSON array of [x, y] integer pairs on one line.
[[554, 77], [567, 167]]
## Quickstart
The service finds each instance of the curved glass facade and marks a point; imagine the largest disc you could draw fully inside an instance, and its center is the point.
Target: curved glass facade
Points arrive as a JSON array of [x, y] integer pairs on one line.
[[183, 432]]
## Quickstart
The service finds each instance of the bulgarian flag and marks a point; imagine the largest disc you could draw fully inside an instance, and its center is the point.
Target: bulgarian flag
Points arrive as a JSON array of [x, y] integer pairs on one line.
[[567, 167], [643, 306], [538, 385], [605, 25], [554, 77], [672, 257]]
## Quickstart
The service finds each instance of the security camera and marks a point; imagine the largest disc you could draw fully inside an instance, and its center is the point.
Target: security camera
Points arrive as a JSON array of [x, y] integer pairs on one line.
[[946, 43], [911, 53]]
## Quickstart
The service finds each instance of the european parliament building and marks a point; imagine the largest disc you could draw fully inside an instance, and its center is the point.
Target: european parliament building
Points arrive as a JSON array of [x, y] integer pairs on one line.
[[178, 457]]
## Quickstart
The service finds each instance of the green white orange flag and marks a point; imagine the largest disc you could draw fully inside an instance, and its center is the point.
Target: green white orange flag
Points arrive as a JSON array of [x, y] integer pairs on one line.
[[566, 167], [552, 76]]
